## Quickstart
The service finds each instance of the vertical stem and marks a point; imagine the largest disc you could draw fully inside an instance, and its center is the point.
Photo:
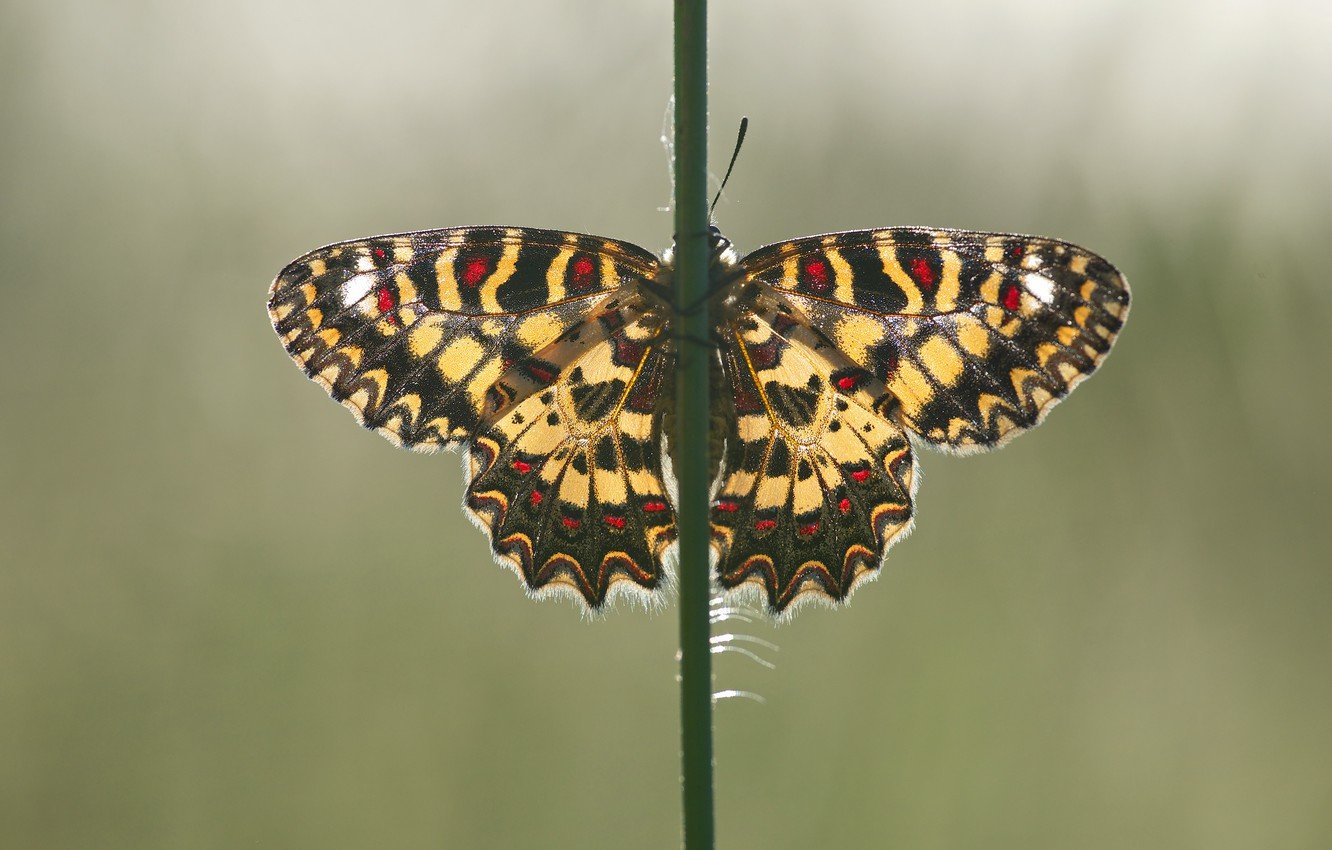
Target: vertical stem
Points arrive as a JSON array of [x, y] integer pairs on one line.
[[693, 417]]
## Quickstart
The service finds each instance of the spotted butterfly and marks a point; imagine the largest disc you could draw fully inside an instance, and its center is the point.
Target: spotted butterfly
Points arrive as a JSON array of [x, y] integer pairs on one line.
[[550, 357]]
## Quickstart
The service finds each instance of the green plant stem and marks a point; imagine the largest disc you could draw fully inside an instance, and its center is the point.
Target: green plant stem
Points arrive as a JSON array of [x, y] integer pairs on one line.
[[693, 416]]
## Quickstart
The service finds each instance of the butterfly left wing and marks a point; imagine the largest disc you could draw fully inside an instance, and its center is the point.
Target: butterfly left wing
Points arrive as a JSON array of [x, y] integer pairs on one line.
[[529, 346]]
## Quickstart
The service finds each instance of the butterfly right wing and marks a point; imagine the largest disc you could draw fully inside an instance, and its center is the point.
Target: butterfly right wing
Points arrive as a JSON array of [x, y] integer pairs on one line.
[[963, 339]]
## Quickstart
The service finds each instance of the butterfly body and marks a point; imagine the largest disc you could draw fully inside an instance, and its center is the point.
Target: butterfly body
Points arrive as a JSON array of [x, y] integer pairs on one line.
[[551, 358]]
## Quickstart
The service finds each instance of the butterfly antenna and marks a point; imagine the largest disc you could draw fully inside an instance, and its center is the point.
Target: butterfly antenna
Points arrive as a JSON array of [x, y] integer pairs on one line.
[[739, 140]]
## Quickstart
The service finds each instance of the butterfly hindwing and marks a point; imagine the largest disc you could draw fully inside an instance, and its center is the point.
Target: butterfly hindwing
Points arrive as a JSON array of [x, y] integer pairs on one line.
[[569, 482], [815, 486], [975, 335], [412, 332]]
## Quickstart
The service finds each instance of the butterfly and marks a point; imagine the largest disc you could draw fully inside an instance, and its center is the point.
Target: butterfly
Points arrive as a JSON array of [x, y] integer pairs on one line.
[[549, 358]]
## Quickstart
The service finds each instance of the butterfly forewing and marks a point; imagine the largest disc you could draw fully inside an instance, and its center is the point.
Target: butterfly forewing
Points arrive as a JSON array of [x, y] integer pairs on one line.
[[413, 332], [975, 336]]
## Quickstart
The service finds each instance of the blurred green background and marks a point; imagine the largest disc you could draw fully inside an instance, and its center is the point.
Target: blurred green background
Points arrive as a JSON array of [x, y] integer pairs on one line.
[[230, 618]]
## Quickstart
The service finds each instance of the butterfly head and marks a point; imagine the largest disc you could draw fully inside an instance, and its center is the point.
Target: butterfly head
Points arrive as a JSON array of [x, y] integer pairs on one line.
[[721, 253], [723, 270]]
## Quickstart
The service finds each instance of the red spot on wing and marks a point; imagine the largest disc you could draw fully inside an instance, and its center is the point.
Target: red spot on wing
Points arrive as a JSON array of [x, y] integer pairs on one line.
[[535, 498], [818, 276], [643, 397], [809, 530], [541, 373], [1012, 298], [582, 269], [611, 320], [385, 300], [628, 352], [861, 475], [654, 507], [765, 525], [844, 506], [379, 253], [1015, 251], [571, 523], [475, 270], [613, 521], [783, 323], [922, 272], [746, 401], [847, 383], [765, 355], [727, 507], [522, 466]]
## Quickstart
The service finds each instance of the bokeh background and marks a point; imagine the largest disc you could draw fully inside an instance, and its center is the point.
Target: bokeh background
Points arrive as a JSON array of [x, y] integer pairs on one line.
[[230, 618]]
